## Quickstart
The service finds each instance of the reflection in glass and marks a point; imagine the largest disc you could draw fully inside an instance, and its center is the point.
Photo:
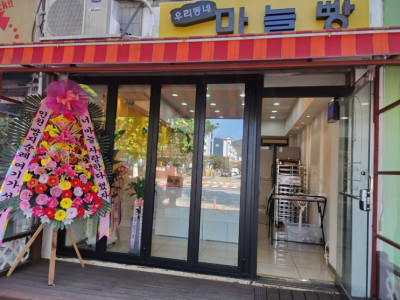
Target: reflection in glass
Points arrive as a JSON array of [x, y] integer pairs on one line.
[[222, 162], [130, 151], [173, 172], [84, 231]]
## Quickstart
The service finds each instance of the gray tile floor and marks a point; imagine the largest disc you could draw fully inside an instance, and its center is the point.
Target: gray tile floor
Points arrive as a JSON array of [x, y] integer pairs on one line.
[[288, 259]]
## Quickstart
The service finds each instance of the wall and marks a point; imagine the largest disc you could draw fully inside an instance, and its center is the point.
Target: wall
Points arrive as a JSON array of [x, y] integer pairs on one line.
[[319, 144]]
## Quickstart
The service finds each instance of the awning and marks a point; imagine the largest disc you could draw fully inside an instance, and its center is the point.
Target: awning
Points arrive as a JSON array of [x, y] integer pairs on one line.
[[294, 46]]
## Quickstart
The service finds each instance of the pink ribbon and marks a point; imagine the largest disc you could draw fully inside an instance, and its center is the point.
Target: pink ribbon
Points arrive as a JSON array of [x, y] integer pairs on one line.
[[13, 180], [66, 96]]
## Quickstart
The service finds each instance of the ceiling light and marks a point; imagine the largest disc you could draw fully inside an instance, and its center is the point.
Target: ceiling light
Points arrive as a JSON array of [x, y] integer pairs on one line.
[[344, 118], [191, 110], [272, 117], [184, 103], [208, 95], [242, 95], [213, 104], [217, 111], [277, 103], [242, 104], [221, 117], [364, 103], [274, 111], [308, 117], [174, 95]]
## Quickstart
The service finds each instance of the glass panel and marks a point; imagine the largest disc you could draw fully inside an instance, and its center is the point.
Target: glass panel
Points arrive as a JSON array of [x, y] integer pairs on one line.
[[391, 142], [130, 151], [392, 90], [173, 172], [352, 239], [85, 230], [220, 199], [388, 266], [388, 210]]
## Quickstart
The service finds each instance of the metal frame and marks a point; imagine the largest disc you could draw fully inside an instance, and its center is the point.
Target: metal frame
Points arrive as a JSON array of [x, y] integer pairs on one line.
[[248, 202]]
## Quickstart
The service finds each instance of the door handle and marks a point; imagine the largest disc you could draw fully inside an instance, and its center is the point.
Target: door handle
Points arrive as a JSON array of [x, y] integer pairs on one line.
[[363, 198], [350, 196], [365, 203]]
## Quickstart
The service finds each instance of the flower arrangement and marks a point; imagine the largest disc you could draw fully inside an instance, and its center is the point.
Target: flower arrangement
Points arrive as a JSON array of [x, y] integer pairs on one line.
[[138, 191], [58, 184], [63, 176]]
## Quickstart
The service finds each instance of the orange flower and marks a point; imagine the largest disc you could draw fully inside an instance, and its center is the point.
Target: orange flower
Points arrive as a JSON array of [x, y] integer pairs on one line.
[[32, 183]]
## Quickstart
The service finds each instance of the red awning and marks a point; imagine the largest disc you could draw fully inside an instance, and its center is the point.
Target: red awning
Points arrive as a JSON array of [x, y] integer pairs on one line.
[[334, 44]]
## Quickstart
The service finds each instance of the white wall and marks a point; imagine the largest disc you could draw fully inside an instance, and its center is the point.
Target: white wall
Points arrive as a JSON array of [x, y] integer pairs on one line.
[[319, 143]]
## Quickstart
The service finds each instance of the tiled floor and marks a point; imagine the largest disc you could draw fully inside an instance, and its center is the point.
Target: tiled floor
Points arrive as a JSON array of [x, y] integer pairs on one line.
[[288, 259]]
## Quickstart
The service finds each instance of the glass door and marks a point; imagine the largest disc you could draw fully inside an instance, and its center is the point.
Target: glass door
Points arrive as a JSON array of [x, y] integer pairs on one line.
[[222, 174], [354, 175], [173, 177]]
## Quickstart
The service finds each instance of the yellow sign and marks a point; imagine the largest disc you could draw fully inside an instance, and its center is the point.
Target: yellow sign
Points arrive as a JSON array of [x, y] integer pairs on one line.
[[255, 11], [17, 18]]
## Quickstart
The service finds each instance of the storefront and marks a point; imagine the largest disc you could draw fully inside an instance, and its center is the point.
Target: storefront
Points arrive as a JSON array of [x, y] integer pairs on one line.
[[186, 118]]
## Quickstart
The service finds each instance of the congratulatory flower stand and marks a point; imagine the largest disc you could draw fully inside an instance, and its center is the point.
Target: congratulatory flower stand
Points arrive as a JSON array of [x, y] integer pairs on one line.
[[57, 173]]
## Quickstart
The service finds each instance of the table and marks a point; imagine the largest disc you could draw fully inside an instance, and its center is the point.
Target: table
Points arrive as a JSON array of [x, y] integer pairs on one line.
[[273, 204]]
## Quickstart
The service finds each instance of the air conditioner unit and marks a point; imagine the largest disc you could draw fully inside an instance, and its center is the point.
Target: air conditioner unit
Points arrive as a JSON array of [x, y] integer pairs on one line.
[[72, 19]]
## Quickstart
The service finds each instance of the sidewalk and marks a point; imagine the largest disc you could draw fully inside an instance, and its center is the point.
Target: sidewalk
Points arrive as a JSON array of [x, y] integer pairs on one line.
[[96, 282]]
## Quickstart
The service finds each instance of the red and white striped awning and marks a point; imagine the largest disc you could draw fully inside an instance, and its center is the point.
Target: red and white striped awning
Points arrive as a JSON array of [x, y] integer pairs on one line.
[[294, 46]]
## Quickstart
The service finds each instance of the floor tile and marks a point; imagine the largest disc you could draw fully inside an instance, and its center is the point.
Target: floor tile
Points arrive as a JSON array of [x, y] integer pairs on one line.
[[324, 274], [308, 260], [277, 271]]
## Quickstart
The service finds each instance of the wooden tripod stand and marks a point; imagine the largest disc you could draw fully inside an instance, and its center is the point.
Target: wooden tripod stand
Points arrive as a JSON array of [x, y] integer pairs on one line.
[[52, 262]]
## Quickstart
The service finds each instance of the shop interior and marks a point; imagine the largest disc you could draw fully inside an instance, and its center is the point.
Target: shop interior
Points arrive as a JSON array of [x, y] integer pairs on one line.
[[299, 160]]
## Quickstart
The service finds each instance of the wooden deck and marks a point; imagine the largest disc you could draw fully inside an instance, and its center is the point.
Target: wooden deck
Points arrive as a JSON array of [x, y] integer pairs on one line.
[[94, 282]]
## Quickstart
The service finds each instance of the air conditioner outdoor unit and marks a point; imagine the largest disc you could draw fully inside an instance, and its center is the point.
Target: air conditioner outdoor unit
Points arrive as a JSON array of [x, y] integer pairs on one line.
[[72, 19]]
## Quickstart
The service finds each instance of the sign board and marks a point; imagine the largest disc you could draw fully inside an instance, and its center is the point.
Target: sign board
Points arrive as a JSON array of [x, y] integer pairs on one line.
[[183, 19], [17, 18]]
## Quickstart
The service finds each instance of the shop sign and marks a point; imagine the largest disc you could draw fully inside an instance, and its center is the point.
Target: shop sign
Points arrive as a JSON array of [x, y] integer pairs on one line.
[[277, 15], [194, 13]]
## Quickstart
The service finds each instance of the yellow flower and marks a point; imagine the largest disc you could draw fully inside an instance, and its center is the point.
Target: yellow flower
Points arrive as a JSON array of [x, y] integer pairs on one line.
[[84, 152], [78, 168], [53, 132], [60, 215], [45, 161], [87, 174], [95, 188], [66, 203], [65, 185], [27, 177], [45, 145], [62, 146]]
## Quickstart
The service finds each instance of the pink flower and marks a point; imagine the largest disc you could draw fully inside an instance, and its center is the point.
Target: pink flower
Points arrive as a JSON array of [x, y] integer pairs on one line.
[[51, 164], [25, 195], [37, 211], [41, 150], [58, 172], [52, 202], [33, 166], [139, 202], [43, 178], [83, 178], [42, 199], [66, 96], [78, 191], [88, 198], [68, 170], [93, 209], [71, 212], [39, 171], [77, 202], [23, 205], [56, 191]]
